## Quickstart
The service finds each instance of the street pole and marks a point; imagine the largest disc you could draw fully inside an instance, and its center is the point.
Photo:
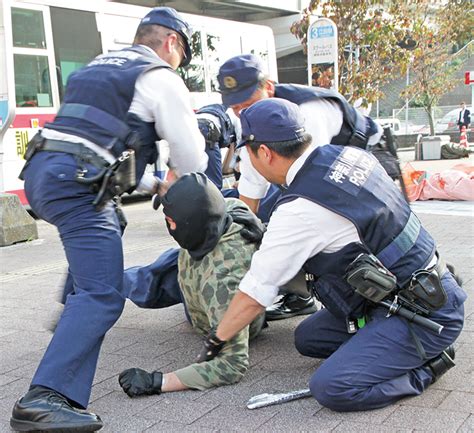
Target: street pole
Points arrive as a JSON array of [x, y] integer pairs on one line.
[[323, 69], [407, 101]]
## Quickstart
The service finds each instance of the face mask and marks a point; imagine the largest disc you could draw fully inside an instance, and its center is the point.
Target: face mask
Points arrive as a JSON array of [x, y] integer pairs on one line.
[[197, 207]]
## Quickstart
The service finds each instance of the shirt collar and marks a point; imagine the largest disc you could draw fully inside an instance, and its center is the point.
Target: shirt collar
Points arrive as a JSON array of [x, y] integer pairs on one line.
[[298, 163], [148, 49]]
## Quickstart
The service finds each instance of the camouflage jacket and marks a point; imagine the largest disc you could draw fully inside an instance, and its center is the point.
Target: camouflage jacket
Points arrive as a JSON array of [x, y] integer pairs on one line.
[[208, 286]]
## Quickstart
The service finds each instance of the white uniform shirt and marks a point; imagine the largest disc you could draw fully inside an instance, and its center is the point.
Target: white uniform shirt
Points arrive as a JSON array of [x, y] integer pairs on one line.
[[323, 120], [297, 231], [162, 97]]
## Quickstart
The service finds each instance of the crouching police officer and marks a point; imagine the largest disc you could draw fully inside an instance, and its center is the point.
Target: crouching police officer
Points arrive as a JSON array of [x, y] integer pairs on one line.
[[329, 118], [115, 109], [343, 219]]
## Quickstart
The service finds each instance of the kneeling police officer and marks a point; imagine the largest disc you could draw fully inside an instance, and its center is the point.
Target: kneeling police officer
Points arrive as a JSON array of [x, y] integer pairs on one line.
[[347, 224]]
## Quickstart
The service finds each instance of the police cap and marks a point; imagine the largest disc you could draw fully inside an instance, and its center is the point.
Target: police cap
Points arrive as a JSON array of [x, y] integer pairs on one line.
[[239, 77], [169, 17], [271, 120]]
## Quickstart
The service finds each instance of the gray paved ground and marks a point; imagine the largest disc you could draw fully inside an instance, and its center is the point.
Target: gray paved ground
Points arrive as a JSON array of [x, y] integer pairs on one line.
[[30, 278]]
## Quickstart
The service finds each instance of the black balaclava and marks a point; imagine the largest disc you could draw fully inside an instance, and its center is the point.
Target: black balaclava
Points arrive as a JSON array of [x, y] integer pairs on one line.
[[198, 209]]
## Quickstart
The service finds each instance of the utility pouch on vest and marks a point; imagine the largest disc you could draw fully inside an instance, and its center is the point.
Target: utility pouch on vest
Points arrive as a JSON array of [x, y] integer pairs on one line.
[[113, 180], [425, 289], [369, 278], [35, 144]]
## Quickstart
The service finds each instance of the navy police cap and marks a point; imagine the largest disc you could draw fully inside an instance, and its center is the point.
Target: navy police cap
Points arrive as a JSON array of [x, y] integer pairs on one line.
[[168, 17], [271, 120], [239, 77]]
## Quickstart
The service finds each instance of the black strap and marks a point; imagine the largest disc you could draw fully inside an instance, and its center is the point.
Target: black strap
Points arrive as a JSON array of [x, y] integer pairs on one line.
[[419, 347], [98, 117], [76, 149]]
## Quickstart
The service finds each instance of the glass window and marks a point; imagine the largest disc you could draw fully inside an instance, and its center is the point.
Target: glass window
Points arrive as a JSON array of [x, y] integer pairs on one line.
[[28, 28], [257, 46], [193, 74], [220, 47], [32, 81], [76, 41]]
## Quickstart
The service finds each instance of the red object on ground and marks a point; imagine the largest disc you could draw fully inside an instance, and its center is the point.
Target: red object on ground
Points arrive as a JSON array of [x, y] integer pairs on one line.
[[456, 183]]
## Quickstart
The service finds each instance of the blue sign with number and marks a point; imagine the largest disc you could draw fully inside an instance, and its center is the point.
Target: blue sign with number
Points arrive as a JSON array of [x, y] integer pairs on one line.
[[322, 32]]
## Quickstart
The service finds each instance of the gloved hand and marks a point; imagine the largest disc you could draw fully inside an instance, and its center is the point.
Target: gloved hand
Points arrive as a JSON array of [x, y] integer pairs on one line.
[[212, 346], [253, 228], [135, 382], [156, 201]]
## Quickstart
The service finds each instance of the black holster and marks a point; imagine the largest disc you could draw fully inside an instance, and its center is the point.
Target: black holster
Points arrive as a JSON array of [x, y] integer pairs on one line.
[[423, 294], [370, 278], [112, 180], [425, 289], [33, 146]]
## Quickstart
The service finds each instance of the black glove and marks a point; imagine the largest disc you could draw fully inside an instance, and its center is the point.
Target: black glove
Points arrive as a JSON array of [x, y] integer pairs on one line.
[[212, 346], [253, 228], [135, 382], [156, 201]]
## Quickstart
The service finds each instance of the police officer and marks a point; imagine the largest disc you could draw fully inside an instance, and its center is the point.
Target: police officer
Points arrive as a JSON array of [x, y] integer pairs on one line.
[[218, 128], [328, 118], [338, 204], [120, 102]]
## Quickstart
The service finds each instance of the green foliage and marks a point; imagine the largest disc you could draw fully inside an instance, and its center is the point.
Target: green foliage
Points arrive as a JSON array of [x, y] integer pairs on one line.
[[369, 33], [432, 62], [389, 36]]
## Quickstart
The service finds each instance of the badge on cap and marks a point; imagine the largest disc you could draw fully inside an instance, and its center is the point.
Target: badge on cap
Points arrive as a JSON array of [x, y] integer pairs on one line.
[[230, 82]]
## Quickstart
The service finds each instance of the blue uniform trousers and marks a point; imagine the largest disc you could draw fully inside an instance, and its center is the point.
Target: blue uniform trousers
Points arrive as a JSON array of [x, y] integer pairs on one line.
[[379, 364], [93, 246], [214, 164]]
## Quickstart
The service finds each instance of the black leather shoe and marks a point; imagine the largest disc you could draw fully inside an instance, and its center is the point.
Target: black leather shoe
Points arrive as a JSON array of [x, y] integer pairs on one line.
[[442, 363], [291, 305], [42, 409], [455, 275]]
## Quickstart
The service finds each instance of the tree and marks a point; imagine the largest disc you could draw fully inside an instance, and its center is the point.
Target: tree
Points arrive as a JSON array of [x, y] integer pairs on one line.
[[437, 34], [369, 35]]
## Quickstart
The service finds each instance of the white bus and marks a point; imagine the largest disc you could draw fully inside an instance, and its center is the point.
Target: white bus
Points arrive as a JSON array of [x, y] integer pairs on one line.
[[43, 41]]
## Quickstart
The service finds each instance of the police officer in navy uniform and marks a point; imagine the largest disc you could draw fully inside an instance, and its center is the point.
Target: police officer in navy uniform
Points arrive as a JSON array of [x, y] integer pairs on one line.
[[218, 129], [114, 108], [328, 118], [339, 205]]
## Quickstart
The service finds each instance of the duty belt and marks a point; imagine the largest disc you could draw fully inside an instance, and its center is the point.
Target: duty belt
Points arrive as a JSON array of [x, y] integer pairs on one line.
[[77, 149]]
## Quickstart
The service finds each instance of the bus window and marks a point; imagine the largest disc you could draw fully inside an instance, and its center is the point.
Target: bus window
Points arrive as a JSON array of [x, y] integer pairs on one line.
[[32, 81], [28, 28], [30, 59], [76, 41], [220, 47], [259, 47], [193, 74]]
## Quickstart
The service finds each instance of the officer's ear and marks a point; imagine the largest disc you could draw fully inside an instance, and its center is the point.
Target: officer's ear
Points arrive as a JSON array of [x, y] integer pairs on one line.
[[265, 153], [270, 88], [170, 42]]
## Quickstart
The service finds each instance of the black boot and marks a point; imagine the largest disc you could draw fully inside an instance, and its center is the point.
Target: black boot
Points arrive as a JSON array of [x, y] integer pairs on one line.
[[291, 305], [442, 363], [42, 409], [455, 275]]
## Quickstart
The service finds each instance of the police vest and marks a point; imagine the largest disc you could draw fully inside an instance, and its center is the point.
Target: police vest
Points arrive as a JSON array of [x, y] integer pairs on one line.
[[356, 128], [97, 100], [351, 183], [227, 130]]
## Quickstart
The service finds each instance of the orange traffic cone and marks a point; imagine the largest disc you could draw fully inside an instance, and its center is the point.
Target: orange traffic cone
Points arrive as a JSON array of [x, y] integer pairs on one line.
[[463, 138]]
